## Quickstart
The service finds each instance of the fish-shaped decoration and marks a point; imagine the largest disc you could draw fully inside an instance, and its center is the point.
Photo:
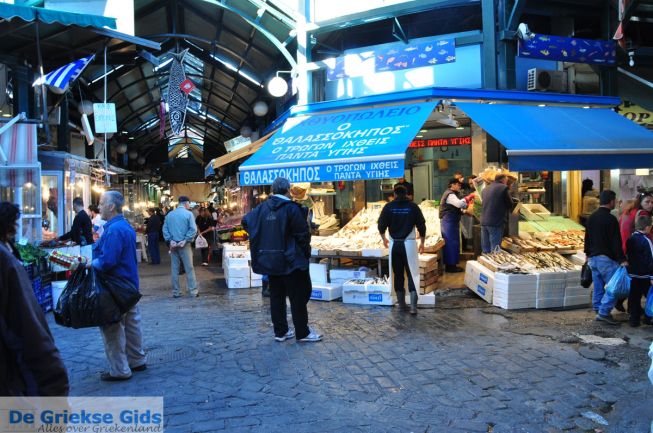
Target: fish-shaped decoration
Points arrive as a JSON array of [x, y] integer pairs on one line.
[[433, 61], [177, 100], [582, 50], [545, 52], [564, 53], [442, 43], [428, 48], [390, 60], [544, 38], [422, 56], [410, 49], [450, 58], [442, 52]]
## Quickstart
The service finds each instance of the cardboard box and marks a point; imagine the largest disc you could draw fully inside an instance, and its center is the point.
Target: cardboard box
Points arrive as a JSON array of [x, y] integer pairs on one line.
[[237, 272], [318, 273], [238, 283], [326, 292], [350, 274]]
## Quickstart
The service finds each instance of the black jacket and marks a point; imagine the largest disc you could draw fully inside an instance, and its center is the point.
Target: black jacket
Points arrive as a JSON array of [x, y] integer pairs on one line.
[[279, 237], [497, 203], [82, 230], [153, 224], [30, 363], [602, 236], [399, 217], [640, 258]]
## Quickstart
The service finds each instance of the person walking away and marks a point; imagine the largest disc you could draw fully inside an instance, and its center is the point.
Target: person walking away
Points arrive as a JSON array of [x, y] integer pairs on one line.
[[30, 363], [115, 254], [451, 210], [400, 217], [82, 230], [497, 203], [639, 250], [96, 221], [604, 253], [205, 226], [179, 230], [589, 201], [153, 228], [280, 244]]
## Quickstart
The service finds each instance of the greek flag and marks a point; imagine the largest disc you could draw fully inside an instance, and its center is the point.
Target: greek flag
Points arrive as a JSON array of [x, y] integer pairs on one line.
[[62, 77]]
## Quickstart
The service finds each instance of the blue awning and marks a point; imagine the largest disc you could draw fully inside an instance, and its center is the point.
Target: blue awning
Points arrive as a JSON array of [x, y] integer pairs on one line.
[[564, 138], [50, 16], [366, 143]]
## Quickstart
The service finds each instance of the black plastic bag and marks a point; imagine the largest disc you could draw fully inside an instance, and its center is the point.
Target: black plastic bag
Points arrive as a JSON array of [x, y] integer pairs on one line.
[[84, 303], [124, 293], [586, 276]]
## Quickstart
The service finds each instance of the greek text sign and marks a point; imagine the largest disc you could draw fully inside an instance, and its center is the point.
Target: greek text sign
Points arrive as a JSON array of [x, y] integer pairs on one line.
[[105, 118], [368, 143], [441, 142]]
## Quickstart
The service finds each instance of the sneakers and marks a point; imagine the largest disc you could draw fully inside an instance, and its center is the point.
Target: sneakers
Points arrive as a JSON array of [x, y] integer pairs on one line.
[[312, 337], [290, 334], [607, 319]]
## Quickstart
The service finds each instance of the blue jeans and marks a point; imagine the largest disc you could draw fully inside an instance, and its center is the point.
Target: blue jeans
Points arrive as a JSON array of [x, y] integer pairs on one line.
[[603, 267], [490, 237], [185, 256], [153, 247]]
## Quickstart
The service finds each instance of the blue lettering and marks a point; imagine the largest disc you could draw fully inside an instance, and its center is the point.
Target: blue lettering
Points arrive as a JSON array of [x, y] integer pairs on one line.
[[483, 278], [375, 297], [316, 294], [481, 290]]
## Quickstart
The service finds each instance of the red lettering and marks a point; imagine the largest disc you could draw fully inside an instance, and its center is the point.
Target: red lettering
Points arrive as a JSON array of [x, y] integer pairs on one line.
[[441, 142]]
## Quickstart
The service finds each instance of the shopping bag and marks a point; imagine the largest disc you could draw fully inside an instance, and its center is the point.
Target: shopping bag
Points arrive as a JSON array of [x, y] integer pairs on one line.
[[586, 276], [648, 310], [200, 242], [619, 285], [84, 303], [124, 293]]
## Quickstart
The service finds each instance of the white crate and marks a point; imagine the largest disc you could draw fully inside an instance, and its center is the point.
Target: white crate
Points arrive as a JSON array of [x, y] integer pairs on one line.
[[232, 247], [318, 272], [315, 252], [534, 212], [572, 301], [232, 262], [423, 301], [350, 274], [516, 295], [255, 282], [572, 278], [326, 292], [551, 285], [237, 272], [254, 276], [366, 298], [511, 304], [577, 291], [238, 283], [378, 288], [549, 302], [479, 279], [339, 281], [374, 252]]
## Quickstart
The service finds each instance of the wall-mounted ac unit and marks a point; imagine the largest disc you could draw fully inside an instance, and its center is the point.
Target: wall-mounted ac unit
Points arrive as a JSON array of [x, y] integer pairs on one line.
[[547, 80]]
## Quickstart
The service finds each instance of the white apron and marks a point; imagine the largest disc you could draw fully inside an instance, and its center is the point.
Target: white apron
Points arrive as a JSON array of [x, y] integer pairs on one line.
[[412, 258]]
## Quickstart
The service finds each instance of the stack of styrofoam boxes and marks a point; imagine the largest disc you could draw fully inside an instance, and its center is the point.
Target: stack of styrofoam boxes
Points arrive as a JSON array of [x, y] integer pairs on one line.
[[255, 280], [341, 276], [550, 289], [235, 264], [575, 294], [514, 291], [322, 290], [480, 280], [367, 292]]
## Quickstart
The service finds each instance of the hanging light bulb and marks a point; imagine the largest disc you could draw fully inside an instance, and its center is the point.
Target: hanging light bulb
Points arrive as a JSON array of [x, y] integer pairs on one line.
[[121, 148], [246, 131], [277, 86], [141, 160], [85, 107], [133, 154], [260, 108]]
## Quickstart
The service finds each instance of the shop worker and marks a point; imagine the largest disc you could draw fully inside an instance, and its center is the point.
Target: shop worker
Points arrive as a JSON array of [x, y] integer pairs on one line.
[[115, 254], [400, 217], [604, 253], [179, 230], [82, 230], [497, 203], [410, 190], [280, 244], [451, 211]]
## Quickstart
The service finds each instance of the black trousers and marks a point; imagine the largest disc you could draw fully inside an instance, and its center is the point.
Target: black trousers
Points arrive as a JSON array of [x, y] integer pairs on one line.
[[638, 288], [205, 253], [399, 265], [297, 287]]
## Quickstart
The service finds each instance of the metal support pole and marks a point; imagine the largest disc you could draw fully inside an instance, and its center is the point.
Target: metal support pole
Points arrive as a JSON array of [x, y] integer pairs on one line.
[[44, 114], [489, 44]]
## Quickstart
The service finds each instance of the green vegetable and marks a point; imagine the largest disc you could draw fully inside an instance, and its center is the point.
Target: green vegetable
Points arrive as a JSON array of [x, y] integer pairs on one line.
[[30, 254]]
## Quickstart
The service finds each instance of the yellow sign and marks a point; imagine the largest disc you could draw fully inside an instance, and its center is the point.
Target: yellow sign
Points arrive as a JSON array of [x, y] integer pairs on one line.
[[636, 113]]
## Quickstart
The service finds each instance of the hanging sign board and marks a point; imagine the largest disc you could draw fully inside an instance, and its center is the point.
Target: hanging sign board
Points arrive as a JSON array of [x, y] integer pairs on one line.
[[441, 142], [105, 118]]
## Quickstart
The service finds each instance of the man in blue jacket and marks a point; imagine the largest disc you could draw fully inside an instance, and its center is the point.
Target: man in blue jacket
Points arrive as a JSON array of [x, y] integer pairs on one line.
[[115, 254], [280, 244]]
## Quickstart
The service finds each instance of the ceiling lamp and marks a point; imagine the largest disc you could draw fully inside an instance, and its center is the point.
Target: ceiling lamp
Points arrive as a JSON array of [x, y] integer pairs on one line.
[[260, 108], [133, 154], [141, 160], [121, 148], [246, 131], [85, 107], [277, 86]]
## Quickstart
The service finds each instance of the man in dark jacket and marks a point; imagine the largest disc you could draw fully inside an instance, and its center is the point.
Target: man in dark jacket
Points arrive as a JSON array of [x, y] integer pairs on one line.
[[604, 253], [30, 363], [280, 244], [153, 229], [640, 268], [497, 203], [82, 230]]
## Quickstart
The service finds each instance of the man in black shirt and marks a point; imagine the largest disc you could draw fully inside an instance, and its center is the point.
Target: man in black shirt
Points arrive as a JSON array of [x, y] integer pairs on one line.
[[604, 253], [410, 190], [400, 217], [82, 230], [153, 229]]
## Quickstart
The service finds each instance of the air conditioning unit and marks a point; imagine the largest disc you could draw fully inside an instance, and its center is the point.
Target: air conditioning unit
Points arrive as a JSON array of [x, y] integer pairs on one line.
[[547, 80]]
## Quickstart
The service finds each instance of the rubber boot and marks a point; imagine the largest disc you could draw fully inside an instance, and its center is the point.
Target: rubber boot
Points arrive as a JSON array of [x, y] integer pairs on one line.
[[265, 290], [401, 301], [413, 302]]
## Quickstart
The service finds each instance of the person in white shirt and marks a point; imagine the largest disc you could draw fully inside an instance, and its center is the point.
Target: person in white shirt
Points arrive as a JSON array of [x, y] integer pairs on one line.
[[451, 210], [97, 221]]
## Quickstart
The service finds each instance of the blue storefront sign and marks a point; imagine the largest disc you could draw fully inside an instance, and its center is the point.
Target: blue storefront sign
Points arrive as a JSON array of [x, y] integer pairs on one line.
[[416, 55], [368, 143]]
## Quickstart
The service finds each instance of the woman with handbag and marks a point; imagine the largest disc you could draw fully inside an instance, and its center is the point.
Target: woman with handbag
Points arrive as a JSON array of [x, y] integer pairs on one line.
[[205, 227]]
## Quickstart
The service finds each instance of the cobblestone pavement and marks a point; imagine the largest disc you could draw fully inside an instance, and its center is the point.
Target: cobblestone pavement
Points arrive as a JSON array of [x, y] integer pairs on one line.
[[462, 367]]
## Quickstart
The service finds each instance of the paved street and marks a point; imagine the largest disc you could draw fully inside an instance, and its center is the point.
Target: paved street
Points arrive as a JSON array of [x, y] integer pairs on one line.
[[462, 367]]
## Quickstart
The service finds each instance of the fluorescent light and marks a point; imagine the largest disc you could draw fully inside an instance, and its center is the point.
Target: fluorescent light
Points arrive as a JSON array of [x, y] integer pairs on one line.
[[163, 65], [586, 107], [541, 105], [231, 66], [642, 171], [419, 136], [460, 127], [107, 74], [422, 130]]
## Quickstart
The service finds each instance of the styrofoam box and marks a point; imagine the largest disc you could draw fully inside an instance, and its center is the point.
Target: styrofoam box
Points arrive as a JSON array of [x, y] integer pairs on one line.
[[315, 251], [511, 304], [479, 279], [549, 302], [571, 301], [232, 247], [349, 274], [57, 290], [231, 262], [256, 282], [237, 272], [339, 281], [551, 285], [572, 278], [577, 291], [238, 283], [326, 292], [254, 276], [318, 272], [374, 252], [423, 301], [378, 288], [366, 298], [349, 286]]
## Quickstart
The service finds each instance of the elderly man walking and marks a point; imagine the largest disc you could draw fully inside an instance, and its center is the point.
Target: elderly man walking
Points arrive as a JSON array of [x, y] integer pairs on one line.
[[179, 230], [115, 254]]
